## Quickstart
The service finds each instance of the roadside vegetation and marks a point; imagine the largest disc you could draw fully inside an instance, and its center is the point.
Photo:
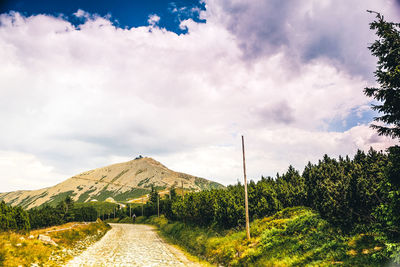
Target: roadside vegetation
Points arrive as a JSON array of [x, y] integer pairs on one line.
[[65, 211], [25, 249], [66, 230], [292, 237], [345, 201]]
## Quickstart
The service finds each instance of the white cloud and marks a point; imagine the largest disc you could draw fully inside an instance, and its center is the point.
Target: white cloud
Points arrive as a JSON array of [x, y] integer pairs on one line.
[[305, 30], [79, 98], [153, 19], [25, 171], [82, 14]]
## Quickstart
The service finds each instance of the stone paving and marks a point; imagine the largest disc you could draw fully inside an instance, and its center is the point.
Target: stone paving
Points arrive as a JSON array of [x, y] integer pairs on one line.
[[131, 245]]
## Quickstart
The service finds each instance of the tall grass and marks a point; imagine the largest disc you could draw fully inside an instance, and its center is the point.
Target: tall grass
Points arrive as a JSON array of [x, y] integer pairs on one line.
[[24, 249], [293, 237]]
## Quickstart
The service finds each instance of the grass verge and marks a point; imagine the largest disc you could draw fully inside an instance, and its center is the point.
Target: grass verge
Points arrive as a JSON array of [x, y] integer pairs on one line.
[[24, 249], [292, 237]]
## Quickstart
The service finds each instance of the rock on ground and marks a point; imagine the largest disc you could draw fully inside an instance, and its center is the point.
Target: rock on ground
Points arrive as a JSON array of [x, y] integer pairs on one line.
[[131, 245]]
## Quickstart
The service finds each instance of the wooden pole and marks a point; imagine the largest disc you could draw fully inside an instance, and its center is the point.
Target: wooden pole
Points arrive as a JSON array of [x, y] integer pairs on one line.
[[183, 195], [246, 203], [142, 206], [183, 198], [130, 211], [158, 205]]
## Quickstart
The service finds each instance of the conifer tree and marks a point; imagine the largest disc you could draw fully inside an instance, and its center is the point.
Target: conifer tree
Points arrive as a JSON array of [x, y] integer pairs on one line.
[[387, 50]]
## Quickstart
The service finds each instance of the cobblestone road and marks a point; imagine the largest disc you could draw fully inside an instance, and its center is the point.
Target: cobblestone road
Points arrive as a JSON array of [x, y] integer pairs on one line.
[[131, 245]]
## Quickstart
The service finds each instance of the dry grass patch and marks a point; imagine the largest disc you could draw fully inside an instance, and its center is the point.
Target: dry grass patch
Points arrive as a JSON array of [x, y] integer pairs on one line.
[[24, 249]]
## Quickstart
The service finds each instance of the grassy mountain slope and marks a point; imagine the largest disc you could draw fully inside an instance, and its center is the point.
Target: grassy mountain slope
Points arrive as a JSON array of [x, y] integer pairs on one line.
[[120, 181]]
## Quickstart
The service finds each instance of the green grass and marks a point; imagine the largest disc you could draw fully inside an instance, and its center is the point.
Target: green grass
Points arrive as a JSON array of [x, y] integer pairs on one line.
[[293, 237]]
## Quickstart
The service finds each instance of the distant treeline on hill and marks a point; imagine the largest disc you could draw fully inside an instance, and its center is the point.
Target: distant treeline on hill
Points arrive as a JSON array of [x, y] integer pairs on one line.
[[15, 218], [358, 194]]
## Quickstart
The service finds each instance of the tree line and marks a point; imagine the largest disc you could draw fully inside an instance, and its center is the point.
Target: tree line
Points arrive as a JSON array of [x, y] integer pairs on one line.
[[354, 194], [16, 218], [65, 211], [13, 218]]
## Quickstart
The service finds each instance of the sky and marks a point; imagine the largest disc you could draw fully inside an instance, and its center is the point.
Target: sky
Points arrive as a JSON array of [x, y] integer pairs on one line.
[[84, 84]]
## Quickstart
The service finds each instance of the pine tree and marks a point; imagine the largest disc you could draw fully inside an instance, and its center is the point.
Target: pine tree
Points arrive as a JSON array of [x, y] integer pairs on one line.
[[387, 49]]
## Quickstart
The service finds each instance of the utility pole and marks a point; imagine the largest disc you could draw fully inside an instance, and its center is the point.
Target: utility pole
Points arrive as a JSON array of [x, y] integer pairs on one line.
[[246, 203], [142, 205], [183, 194], [158, 205]]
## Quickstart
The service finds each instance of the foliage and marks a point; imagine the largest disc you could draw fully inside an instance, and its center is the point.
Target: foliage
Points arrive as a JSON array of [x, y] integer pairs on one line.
[[344, 191], [150, 208], [387, 50], [292, 237], [64, 212], [55, 200], [24, 249], [13, 218], [85, 214], [388, 211], [357, 195], [102, 207]]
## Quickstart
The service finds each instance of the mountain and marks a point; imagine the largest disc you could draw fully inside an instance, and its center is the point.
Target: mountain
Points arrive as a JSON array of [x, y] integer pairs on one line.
[[121, 181]]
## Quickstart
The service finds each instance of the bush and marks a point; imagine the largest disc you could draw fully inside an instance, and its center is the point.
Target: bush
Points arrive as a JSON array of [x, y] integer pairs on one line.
[[13, 218]]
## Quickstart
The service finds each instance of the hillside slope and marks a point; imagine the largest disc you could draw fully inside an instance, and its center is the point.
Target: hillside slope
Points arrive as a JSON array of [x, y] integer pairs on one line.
[[121, 181], [296, 236]]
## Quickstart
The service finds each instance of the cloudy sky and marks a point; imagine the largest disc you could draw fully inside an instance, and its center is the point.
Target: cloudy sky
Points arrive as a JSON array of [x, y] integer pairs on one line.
[[84, 84]]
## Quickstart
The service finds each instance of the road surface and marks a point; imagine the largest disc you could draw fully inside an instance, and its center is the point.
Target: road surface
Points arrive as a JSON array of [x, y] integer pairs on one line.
[[131, 245]]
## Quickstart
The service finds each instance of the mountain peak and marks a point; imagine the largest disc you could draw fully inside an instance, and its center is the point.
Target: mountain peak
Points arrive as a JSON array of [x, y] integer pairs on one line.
[[121, 181]]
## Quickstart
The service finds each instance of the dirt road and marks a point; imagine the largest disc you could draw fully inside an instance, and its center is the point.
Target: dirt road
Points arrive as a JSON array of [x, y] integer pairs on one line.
[[131, 245]]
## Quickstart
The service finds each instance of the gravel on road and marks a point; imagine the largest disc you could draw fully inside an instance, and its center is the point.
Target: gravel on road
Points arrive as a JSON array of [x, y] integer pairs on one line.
[[131, 245]]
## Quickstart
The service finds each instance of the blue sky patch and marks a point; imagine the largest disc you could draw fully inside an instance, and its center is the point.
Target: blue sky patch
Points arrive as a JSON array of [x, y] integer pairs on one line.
[[124, 13], [356, 117]]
